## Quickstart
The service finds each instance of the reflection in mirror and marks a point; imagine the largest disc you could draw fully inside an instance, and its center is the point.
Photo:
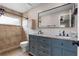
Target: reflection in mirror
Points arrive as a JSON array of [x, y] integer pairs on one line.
[[64, 21]]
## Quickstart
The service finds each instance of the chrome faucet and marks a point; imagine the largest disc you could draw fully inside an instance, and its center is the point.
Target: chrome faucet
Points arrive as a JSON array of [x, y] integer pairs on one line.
[[40, 32], [63, 33]]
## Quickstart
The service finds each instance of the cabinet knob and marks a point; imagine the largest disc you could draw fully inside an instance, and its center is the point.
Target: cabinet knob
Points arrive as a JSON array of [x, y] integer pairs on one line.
[[61, 43]]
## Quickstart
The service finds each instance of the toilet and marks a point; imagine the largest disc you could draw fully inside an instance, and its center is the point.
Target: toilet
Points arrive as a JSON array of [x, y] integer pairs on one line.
[[24, 46]]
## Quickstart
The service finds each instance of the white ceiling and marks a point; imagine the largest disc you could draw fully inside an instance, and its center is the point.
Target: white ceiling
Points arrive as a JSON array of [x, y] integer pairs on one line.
[[20, 7]]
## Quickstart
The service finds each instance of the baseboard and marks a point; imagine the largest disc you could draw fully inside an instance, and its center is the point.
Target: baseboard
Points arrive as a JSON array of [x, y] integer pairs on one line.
[[8, 49]]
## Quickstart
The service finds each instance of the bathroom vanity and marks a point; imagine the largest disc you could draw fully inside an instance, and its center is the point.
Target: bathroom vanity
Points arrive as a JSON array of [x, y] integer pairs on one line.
[[44, 45]]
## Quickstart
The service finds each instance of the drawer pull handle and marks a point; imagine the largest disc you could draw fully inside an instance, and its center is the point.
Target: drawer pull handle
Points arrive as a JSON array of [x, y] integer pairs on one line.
[[61, 43]]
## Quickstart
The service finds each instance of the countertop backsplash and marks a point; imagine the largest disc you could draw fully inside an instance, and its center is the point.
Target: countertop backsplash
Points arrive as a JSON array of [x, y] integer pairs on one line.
[[69, 32]]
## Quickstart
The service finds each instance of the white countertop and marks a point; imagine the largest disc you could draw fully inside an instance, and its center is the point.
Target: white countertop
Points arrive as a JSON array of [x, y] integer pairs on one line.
[[55, 36]]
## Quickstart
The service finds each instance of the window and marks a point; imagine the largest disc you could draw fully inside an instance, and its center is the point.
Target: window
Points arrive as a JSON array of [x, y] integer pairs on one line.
[[9, 20]]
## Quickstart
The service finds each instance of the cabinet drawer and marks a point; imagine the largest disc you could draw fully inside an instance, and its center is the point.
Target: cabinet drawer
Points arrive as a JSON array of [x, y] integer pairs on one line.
[[33, 50], [43, 52], [32, 37], [44, 45], [43, 40], [57, 42], [33, 41]]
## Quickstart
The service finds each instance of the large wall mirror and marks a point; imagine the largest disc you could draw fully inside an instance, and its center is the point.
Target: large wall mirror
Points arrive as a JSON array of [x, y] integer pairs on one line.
[[61, 16]]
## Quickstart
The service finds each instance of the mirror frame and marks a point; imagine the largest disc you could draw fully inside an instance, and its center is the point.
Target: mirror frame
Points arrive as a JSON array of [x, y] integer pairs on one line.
[[52, 9]]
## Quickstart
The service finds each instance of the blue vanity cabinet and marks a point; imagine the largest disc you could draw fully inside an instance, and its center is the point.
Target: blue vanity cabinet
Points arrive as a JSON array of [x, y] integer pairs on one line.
[[45, 46]]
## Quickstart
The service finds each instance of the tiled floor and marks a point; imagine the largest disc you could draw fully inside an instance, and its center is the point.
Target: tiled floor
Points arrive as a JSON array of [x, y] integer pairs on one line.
[[15, 52]]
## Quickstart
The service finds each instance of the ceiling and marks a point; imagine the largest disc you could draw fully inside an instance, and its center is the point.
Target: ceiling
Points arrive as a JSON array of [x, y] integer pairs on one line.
[[20, 7]]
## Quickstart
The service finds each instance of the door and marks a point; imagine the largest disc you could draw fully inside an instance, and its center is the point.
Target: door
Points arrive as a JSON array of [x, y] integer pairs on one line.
[[69, 49], [56, 49]]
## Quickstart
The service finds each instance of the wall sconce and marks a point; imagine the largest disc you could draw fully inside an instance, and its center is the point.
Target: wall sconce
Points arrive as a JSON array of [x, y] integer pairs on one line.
[[1, 11], [27, 18]]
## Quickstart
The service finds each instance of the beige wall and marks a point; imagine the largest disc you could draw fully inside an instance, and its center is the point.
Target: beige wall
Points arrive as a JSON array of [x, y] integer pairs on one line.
[[33, 14]]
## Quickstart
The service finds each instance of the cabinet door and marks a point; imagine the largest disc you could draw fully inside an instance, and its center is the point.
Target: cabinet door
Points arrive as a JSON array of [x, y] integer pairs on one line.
[[68, 44], [57, 42], [67, 52], [56, 49], [69, 49]]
